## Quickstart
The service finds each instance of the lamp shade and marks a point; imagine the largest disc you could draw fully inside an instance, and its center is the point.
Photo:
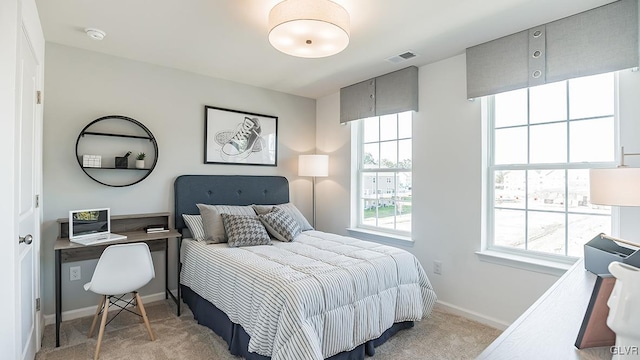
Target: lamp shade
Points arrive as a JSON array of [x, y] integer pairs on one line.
[[309, 28], [617, 187], [313, 165]]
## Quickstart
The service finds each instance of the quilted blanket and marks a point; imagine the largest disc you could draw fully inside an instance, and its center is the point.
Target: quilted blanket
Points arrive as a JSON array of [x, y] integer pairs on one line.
[[311, 298]]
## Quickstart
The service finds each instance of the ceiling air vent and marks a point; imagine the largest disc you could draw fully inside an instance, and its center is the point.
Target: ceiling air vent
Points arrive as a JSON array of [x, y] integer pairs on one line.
[[402, 57]]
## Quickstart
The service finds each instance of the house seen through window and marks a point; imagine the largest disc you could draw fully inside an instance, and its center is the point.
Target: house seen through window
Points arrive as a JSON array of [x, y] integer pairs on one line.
[[543, 140], [384, 173]]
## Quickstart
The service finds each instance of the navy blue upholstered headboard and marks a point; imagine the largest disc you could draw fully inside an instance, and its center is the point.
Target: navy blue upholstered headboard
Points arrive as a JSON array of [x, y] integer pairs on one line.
[[190, 190]]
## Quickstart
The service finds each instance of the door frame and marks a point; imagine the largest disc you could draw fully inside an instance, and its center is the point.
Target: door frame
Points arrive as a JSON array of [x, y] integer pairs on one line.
[[33, 29]]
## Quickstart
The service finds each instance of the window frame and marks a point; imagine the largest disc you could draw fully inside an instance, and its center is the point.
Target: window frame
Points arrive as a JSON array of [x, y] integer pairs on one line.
[[491, 168], [360, 170]]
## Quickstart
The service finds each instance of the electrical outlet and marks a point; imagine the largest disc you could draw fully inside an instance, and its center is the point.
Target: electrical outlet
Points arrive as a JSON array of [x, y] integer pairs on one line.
[[437, 267], [74, 273]]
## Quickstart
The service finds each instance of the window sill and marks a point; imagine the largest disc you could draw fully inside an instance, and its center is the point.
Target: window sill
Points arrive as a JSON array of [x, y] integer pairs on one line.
[[380, 237], [543, 266]]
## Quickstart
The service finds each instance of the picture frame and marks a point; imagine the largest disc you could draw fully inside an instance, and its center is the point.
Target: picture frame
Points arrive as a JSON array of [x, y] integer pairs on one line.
[[594, 331], [234, 137]]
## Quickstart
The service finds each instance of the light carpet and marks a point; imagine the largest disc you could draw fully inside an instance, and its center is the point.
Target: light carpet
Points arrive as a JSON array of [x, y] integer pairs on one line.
[[441, 336]]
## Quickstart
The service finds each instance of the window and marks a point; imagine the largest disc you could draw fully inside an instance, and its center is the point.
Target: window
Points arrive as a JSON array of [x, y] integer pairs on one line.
[[542, 142], [384, 173]]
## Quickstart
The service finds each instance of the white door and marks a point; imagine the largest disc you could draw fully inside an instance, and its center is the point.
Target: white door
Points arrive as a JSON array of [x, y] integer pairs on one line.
[[27, 178], [26, 185]]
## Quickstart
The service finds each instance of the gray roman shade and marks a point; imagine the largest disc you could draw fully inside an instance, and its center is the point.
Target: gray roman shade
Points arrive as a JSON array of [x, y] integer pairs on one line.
[[596, 41], [387, 94]]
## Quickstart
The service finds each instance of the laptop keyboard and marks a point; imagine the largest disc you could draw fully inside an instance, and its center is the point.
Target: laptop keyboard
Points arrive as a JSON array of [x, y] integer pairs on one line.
[[92, 241]]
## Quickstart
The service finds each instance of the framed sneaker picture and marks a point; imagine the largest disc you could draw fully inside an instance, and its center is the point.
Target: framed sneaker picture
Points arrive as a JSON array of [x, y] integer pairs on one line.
[[239, 138]]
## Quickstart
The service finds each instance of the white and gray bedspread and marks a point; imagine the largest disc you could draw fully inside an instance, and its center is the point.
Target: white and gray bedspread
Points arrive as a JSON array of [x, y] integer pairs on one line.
[[312, 298]]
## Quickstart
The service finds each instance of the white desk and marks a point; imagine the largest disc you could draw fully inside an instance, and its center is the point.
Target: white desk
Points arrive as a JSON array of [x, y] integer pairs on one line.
[[549, 328]]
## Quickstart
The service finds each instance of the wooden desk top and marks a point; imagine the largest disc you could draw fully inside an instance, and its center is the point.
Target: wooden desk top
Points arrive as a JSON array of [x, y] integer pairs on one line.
[[132, 236], [549, 328]]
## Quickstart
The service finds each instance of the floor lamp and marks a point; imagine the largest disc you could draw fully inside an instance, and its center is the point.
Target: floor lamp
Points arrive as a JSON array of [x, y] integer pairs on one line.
[[314, 166]]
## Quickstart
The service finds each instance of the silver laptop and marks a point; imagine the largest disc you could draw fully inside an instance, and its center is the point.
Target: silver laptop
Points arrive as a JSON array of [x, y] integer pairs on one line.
[[93, 226]]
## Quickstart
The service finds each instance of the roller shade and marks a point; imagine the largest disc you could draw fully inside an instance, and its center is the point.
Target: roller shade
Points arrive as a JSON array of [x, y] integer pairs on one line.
[[387, 94], [596, 41]]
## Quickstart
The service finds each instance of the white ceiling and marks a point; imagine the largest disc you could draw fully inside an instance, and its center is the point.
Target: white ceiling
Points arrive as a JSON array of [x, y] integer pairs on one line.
[[227, 39]]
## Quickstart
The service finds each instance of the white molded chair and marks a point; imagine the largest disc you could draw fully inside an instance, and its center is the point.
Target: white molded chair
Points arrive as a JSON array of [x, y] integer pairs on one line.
[[121, 269]]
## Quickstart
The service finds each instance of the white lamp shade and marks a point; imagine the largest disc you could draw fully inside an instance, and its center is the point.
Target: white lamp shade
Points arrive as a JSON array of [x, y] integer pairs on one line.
[[616, 187], [313, 165], [309, 28]]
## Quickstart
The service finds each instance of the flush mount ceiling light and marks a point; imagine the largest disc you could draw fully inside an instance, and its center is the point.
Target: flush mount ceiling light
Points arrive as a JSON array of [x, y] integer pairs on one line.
[[95, 34], [309, 28]]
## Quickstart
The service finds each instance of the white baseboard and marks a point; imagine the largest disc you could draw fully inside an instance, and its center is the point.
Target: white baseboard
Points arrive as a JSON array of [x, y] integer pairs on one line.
[[472, 315], [91, 310]]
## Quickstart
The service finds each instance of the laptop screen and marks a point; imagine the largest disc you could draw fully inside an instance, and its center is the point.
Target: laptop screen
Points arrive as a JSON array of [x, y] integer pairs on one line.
[[88, 222]]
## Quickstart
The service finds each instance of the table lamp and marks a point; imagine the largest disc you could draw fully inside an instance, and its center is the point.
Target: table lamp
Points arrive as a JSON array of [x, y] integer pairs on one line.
[[314, 166], [621, 187], [616, 187]]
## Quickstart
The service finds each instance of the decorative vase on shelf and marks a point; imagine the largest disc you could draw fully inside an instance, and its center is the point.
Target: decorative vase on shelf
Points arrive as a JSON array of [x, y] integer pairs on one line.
[[122, 162], [140, 160]]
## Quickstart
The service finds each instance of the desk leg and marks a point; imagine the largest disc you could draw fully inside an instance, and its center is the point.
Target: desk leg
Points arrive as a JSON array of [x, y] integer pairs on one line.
[[166, 268], [167, 291], [58, 295], [178, 265]]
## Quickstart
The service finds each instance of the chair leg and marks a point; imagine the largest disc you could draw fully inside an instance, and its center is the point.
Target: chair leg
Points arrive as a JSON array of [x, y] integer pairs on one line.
[[102, 325], [144, 316], [95, 317], [136, 308]]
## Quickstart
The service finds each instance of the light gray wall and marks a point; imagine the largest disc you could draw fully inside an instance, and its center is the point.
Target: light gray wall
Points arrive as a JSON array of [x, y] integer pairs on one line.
[[81, 86], [447, 191]]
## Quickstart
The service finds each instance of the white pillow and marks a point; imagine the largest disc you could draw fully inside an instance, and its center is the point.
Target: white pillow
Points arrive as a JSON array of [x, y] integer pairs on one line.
[[195, 226]]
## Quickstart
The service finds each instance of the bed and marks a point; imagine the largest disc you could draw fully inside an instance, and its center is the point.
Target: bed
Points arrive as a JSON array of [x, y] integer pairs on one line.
[[322, 296]]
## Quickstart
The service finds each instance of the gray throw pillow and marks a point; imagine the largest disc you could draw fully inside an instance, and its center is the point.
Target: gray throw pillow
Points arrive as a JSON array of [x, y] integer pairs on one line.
[[212, 222], [194, 224], [280, 224], [245, 230], [290, 209]]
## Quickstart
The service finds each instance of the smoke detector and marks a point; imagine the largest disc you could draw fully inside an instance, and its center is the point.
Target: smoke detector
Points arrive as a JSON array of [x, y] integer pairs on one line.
[[95, 34]]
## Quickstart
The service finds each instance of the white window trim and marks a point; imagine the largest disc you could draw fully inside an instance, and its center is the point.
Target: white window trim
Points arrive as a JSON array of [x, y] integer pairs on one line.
[[357, 229], [380, 237], [546, 263], [519, 261]]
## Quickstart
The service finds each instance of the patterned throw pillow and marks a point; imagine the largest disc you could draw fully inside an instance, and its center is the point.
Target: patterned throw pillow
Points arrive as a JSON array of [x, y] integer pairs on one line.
[[290, 209], [280, 224], [245, 230], [195, 226]]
